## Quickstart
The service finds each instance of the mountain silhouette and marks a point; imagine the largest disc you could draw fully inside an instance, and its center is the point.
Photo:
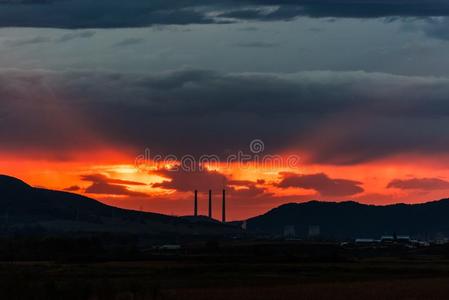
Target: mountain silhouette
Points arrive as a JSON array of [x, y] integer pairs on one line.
[[347, 220], [23, 207]]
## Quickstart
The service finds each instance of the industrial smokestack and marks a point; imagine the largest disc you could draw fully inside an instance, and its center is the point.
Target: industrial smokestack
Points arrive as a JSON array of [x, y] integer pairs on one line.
[[195, 205], [224, 207], [210, 204]]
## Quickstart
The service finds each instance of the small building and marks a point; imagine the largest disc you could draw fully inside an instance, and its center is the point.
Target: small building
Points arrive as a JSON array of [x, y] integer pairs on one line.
[[314, 231], [244, 225], [289, 231], [404, 239], [366, 242], [387, 239]]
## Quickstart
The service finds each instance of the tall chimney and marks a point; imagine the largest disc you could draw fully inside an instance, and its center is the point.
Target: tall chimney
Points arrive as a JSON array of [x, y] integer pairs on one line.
[[224, 207], [195, 209], [210, 204]]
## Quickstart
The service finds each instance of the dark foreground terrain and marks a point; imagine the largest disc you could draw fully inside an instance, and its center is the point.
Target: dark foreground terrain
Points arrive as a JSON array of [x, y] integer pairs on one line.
[[237, 270], [56, 245]]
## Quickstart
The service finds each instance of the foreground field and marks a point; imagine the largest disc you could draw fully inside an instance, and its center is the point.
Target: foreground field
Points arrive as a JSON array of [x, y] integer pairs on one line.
[[216, 278]]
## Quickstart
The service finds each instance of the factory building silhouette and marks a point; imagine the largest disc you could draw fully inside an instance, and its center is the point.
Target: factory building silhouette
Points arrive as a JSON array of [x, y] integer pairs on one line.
[[195, 205]]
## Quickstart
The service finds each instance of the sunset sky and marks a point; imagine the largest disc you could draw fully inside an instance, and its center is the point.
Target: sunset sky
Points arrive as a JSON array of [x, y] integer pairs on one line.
[[93, 92]]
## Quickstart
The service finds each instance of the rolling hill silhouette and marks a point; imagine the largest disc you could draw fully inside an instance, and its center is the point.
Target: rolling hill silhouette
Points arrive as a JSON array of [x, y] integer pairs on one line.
[[351, 219], [23, 207]]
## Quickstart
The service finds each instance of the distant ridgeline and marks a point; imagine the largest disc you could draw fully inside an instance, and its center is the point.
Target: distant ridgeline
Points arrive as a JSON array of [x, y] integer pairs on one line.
[[24, 209], [348, 220]]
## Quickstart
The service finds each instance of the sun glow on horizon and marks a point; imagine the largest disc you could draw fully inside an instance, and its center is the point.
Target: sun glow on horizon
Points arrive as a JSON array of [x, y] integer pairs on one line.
[[126, 185]]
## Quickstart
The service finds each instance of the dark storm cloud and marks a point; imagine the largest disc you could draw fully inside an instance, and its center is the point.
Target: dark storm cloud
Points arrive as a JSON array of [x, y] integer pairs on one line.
[[99, 13], [204, 180], [103, 178], [186, 181], [321, 183], [104, 188], [249, 192], [334, 117], [139, 13], [289, 9], [282, 13], [426, 184], [247, 188], [101, 184]]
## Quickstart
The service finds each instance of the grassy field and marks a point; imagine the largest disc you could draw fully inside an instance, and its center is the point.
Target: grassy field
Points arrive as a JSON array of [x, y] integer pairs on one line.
[[196, 277]]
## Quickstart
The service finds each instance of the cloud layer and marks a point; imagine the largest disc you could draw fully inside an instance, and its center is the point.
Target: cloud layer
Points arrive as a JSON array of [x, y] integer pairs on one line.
[[328, 117], [204, 180], [425, 184], [139, 13], [102, 185], [323, 184]]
